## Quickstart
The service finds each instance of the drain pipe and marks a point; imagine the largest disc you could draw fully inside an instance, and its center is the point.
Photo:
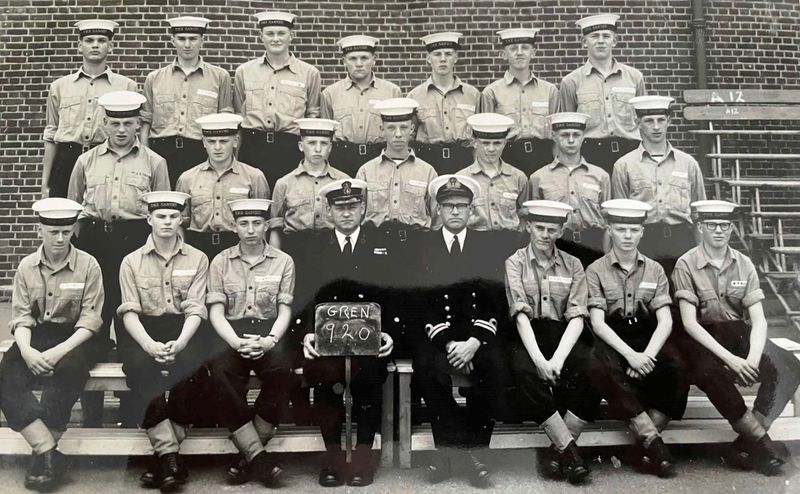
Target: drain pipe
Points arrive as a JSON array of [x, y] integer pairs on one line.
[[701, 73]]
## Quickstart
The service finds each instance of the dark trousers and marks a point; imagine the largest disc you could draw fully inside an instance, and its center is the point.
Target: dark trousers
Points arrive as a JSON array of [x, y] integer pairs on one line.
[[445, 157], [326, 375], [586, 245], [349, 156], [60, 390], [778, 372], [67, 154], [606, 151], [453, 426], [211, 243], [274, 153], [230, 374], [666, 243], [665, 389], [572, 392], [181, 154], [150, 380], [528, 154], [109, 243]]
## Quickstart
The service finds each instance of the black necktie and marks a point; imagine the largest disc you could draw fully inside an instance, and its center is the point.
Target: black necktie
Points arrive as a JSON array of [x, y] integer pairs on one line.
[[348, 247], [455, 248]]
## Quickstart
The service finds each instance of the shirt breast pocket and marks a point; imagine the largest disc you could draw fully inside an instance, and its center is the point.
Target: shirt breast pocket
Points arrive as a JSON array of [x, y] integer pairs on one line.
[[291, 100], [623, 110], [69, 303], [614, 297], [267, 296], [69, 111], [590, 103], [204, 104], [254, 95], [532, 294], [412, 200], [736, 292], [136, 186], [553, 191], [235, 298], [641, 189], [559, 292], [462, 113], [97, 191], [164, 110], [344, 114], [679, 193], [180, 286], [707, 298], [377, 197], [201, 205], [507, 206], [590, 192], [150, 295]]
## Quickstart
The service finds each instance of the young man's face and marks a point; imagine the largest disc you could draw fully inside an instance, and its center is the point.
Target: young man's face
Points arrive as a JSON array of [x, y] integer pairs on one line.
[[346, 217], [625, 237], [359, 65], [276, 39], [715, 233], [316, 149], [454, 212], [94, 48], [489, 150], [122, 131], [397, 134], [56, 238], [165, 222], [252, 230], [220, 149], [519, 55], [653, 128], [600, 44], [544, 235], [442, 61], [568, 141], [187, 45]]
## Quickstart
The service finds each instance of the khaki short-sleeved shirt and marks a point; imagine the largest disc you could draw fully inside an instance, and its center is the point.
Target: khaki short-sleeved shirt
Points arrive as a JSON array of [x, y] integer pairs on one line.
[[251, 290], [152, 285], [296, 203], [527, 103], [719, 294], [501, 197], [555, 290], [442, 117], [621, 293], [353, 108], [71, 292]]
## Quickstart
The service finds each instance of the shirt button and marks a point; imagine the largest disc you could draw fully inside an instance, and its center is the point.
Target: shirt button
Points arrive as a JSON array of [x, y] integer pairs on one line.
[[114, 197], [544, 298], [50, 294], [249, 307], [169, 301], [116, 179], [446, 296], [492, 204], [396, 319], [395, 202], [630, 295], [184, 96], [447, 308], [166, 283], [47, 313], [572, 192], [270, 104], [251, 288], [360, 295]]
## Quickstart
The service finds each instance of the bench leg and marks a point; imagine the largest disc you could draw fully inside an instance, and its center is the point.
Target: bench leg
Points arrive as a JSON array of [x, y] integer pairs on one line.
[[92, 409], [404, 419], [387, 422]]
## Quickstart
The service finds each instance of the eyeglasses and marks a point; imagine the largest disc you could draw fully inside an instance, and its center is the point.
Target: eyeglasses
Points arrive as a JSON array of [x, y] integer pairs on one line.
[[712, 226], [450, 206]]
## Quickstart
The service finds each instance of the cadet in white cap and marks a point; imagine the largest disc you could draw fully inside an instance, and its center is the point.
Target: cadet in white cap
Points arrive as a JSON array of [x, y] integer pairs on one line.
[[216, 182], [162, 309], [56, 302], [640, 372], [351, 102], [250, 294], [109, 181], [351, 264], [445, 103], [720, 298], [602, 88], [664, 177], [73, 118], [460, 316], [271, 92], [524, 97], [571, 179], [399, 208], [552, 354], [180, 93]]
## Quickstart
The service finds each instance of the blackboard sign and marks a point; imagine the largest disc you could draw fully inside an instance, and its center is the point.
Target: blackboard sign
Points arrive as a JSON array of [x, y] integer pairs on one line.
[[347, 328]]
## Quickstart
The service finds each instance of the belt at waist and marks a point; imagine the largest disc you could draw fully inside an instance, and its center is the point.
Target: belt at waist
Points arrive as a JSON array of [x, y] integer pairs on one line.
[[361, 148], [260, 327], [272, 136], [112, 226], [440, 145], [76, 145], [587, 234], [666, 228], [178, 141], [215, 237]]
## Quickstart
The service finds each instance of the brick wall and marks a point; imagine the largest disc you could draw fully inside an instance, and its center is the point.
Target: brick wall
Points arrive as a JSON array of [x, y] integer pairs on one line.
[[752, 44]]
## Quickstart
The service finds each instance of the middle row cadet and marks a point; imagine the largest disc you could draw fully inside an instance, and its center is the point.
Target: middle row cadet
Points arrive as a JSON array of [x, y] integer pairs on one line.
[[163, 287]]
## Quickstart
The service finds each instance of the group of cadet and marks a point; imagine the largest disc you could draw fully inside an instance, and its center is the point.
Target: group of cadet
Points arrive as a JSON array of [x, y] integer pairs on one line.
[[206, 219]]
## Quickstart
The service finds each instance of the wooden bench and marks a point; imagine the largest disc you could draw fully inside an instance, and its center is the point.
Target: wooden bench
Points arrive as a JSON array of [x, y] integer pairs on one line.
[[701, 423], [115, 441]]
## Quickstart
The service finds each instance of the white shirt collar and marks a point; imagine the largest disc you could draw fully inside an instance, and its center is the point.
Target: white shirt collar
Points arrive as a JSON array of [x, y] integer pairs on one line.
[[448, 238], [353, 238]]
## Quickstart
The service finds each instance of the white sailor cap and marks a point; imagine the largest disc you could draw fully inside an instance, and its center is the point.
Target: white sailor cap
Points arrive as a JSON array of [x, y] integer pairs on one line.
[[250, 207], [57, 211], [165, 199], [121, 104], [438, 41], [283, 19], [344, 191], [714, 210], [651, 105], [396, 109], [445, 186], [568, 120], [96, 26], [546, 211], [600, 22], [188, 24], [321, 127], [626, 211], [518, 35], [220, 124], [490, 125], [358, 42]]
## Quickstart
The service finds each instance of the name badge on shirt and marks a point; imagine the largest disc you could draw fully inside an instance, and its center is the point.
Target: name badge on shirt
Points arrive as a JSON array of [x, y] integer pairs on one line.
[[418, 183], [184, 272], [559, 279], [380, 251], [71, 286], [680, 174], [738, 283], [210, 94], [540, 104], [462, 106], [646, 285], [288, 82], [593, 187], [267, 278], [624, 90], [239, 190], [373, 102], [509, 195]]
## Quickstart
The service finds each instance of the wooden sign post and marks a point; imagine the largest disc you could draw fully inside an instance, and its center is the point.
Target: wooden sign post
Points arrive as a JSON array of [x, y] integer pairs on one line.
[[347, 329]]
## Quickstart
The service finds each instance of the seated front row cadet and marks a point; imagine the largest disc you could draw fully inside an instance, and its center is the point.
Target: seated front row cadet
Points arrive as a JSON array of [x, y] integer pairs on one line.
[[718, 291], [351, 261], [639, 370], [55, 307], [163, 285], [546, 291], [461, 313], [250, 289]]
